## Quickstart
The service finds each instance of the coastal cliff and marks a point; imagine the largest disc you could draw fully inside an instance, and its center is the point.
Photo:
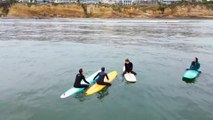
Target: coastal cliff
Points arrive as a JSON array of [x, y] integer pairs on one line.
[[1, 11], [26, 10], [47, 10]]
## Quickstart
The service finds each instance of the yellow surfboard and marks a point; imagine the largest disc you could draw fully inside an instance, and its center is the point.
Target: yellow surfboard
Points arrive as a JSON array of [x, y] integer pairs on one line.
[[96, 88]]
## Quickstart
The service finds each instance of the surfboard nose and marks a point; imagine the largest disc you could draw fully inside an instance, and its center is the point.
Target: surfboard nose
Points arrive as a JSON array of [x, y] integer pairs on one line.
[[87, 94], [62, 96]]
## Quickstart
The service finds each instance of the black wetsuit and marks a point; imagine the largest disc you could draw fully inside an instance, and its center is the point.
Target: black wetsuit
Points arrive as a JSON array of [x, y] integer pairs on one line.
[[194, 65], [78, 79], [128, 68], [101, 77]]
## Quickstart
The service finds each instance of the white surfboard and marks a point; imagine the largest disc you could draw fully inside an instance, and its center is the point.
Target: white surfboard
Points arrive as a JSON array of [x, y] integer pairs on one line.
[[129, 76], [74, 90]]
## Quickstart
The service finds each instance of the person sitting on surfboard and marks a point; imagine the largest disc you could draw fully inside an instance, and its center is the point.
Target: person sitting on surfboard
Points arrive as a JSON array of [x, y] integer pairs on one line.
[[78, 79], [195, 65], [101, 77], [128, 67]]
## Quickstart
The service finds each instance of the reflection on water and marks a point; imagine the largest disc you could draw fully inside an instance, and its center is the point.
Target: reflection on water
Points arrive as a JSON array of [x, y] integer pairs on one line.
[[103, 93], [80, 96], [100, 95], [130, 82], [189, 80]]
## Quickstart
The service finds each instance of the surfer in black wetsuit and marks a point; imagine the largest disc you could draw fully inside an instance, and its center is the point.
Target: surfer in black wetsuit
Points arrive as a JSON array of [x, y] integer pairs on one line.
[[101, 77], [195, 65], [78, 79], [128, 67]]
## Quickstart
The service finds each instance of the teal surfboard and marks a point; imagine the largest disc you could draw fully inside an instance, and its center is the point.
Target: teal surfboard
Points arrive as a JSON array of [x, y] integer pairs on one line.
[[191, 74], [74, 90]]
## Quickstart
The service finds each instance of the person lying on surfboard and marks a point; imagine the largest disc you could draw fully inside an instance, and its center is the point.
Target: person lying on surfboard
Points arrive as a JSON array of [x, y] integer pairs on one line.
[[128, 67], [195, 65], [78, 79], [101, 77]]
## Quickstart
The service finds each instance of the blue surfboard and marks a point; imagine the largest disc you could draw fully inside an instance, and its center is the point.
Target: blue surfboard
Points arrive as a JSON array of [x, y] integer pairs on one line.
[[191, 74]]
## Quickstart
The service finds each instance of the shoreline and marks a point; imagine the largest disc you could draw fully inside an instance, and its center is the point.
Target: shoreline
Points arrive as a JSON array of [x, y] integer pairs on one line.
[[162, 18]]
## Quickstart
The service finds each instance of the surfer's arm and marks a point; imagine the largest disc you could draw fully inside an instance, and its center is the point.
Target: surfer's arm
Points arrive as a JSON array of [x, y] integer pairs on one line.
[[85, 80], [131, 67], [107, 77], [198, 66], [96, 76]]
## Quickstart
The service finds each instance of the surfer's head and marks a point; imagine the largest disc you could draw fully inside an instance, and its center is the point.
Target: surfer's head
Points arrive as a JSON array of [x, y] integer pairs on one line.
[[103, 69], [127, 61], [81, 71], [195, 59]]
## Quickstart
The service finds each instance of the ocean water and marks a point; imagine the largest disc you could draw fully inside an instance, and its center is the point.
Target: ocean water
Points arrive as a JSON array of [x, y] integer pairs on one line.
[[39, 59]]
